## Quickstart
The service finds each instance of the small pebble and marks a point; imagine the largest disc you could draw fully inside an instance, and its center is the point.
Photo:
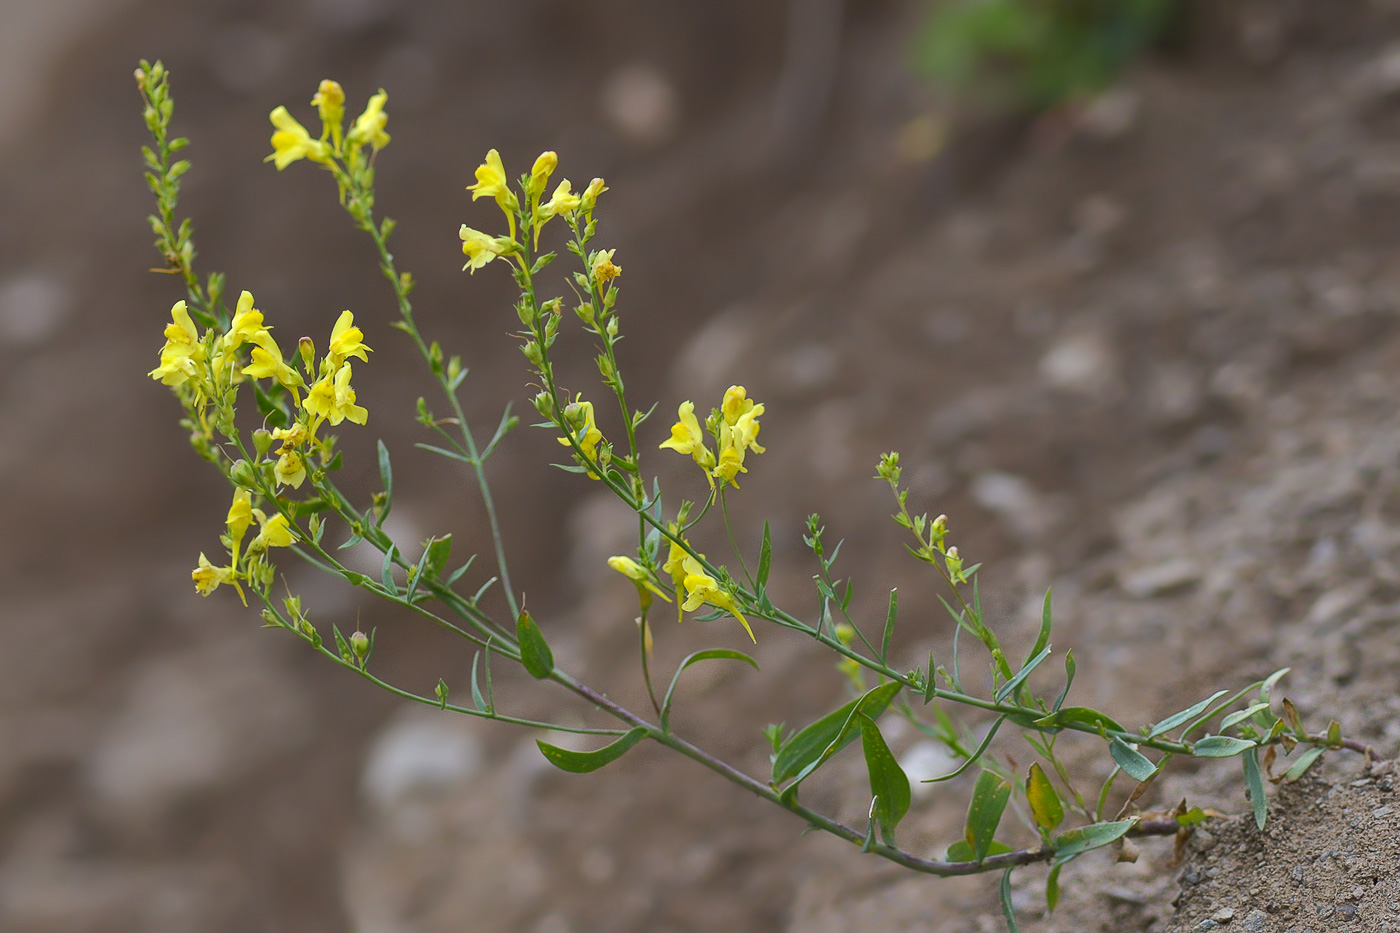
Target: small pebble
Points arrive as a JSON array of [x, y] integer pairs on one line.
[[1254, 921], [1223, 915]]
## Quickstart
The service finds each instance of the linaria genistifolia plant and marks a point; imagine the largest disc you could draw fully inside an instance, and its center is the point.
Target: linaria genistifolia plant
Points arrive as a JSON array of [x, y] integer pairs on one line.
[[220, 364]]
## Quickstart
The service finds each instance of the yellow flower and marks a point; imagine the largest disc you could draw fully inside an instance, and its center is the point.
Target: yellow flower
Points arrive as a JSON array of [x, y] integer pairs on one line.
[[586, 431], [479, 248], [333, 399], [330, 104], [346, 341], [491, 183], [539, 174], [290, 469], [247, 323], [563, 201], [633, 571], [675, 563], [240, 515], [731, 464], [687, 438], [291, 437], [183, 351], [604, 270], [267, 363], [736, 402], [272, 532], [700, 587], [207, 577], [745, 430], [369, 126], [589, 199], [292, 142]]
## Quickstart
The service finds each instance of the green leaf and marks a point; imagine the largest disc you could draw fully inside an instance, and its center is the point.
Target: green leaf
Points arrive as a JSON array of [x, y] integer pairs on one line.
[[1052, 890], [1304, 762], [583, 762], [1043, 639], [888, 782], [710, 654], [386, 572], [960, 851], [1022, 674], [435, 555], [386, 476], [989, 799], [1134, 764], [477, 699], [765, 557], [1094, 836], [1255, 782], [1193, 817], [1240, 716], [1069, 680], [889, 630], [1266, 689], [534, 651], [975, 756], [802, 753], [1007, 910], [1046, 808], [1080, 714], [1176, 719], [1220, 746]]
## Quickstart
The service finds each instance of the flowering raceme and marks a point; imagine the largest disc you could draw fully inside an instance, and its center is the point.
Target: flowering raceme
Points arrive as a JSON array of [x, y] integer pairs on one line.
[[735, 427]]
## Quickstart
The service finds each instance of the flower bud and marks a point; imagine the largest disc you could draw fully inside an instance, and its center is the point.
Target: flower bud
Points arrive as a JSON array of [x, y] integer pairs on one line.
[[307, 349], [544, 404], [589, 199], [539, 175], [243, 474], [262, 441], [359, 645]]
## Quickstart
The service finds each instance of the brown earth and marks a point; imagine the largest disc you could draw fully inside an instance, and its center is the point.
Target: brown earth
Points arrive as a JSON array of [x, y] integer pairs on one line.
[[1147, 351]]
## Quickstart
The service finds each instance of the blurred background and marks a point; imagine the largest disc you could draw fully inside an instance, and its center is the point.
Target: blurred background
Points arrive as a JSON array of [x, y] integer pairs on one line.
[[1117, 278]]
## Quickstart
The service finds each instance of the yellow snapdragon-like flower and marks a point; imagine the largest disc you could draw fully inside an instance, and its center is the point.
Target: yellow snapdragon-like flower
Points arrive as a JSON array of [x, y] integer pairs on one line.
[[267, 363], [240, 515], [333, 399], [247, 323], [604, 270], [290, 469], [369, 126], [738, 434], [589, 199], [330, 104], [736, 402], [544, 166], [481, 248], [633, 571], [346, 341], [675, 564], [491, 182], [688, 438], [207, 578], [700, 588], [272, 532], [563, 201], [292, 142], [587, 433], [183, 352]]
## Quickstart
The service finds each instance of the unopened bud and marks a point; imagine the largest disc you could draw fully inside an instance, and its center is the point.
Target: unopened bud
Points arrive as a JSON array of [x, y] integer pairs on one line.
[[359, 644], [262, 441], [307, 349], [544, 404], [243, 474]]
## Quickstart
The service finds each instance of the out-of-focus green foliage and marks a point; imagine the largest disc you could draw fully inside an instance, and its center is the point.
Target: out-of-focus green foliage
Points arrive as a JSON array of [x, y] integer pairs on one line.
[[1036, 53]]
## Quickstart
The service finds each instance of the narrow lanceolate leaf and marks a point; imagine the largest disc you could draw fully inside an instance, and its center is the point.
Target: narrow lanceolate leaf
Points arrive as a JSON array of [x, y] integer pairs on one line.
[[477, 699], [1046, 808], [828, 735], [1240, 716], [534, 650], [1255, 782], [583, 762], [1183, 717], [765, 557], [989, 799], [386, 476], [1052, 890], [1043, 639], [1135, 764], [1220, 746], [1076, 842], [960, 851], [1304, 762], [888, 782], [435, 556], [1077, 714], [1022, 674], [1007, 910], [889, 630], [710, 654]]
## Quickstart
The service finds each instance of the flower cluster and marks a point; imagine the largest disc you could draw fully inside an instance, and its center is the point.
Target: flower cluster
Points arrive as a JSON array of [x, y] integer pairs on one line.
[[694, 586], [734, 427], [206, 370], [492, 182], [292, 141]]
